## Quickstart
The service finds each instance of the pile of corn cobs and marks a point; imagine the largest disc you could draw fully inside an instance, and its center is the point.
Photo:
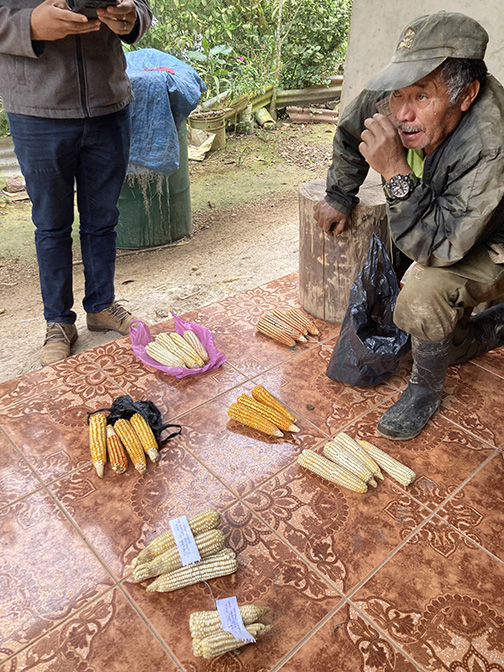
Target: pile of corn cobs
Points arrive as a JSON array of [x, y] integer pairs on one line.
[[287, 326], [263, 412]]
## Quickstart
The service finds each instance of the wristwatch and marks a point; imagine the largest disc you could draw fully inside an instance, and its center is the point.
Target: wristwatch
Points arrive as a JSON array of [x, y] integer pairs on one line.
[[400, 186]]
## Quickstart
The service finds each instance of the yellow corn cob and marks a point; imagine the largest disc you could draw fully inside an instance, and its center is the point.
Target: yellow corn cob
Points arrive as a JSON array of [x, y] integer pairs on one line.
[[201, 522], [393, 467], [208, 543], [260, 393], [146, 436], [284, 316], [219, 564], [188, 353], [336, 453], [132, 444], [356, 449], [305, 320], [161, 354], [219, 642], [98, 441], [196, 344], [271, 414], [286, 328], [275, 332], [253, 419], [204, 623], [116, 453], [331, 471]]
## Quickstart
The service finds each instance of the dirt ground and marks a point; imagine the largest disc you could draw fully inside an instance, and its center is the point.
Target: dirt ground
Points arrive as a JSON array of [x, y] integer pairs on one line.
[[245, 213]]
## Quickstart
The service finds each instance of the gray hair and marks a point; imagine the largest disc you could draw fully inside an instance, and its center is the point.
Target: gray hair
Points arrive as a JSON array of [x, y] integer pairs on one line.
[[458, 73]]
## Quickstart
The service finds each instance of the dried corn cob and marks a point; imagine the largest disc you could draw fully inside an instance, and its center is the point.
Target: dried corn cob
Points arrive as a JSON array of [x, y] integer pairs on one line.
[[260, 393], [343, 457], [204, 623], [132, 444], [284, 316], [201, 522], [219, 642], [116, 453], [146, 436], [219, 564], [208, 543], [275, 333], [253, 419], [196, 344], [304, 320], [331, 471], [189, 354], [286, 328], [190, 362], [271, 414], [98, 441], [356, 449], [161, 354], [393, 467]]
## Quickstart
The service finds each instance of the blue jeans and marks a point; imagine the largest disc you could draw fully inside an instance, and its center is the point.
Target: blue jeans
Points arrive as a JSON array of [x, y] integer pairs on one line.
[[55, 154]]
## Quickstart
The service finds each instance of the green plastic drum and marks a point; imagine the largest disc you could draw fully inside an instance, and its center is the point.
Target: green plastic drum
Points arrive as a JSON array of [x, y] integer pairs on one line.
[[155, 209]]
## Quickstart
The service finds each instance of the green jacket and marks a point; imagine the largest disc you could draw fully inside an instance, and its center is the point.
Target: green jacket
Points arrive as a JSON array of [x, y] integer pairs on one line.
[[460, 201]]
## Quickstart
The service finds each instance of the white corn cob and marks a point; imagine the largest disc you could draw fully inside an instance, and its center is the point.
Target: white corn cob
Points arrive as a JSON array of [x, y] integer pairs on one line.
[[331, 471], [190, 362], [196, 344], [284, 326], [201, 522], [188, 352], [219, 564], [204, 623], [162, 355], [356, 449], [393, 467], [207, 543], [222, 641], [344, 458]]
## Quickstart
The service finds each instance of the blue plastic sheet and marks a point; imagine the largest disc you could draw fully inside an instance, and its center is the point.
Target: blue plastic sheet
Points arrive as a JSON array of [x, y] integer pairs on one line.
[[166, 91]]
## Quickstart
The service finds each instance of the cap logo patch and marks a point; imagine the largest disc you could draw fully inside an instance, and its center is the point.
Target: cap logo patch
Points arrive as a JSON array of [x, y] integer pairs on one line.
[[407, 40]]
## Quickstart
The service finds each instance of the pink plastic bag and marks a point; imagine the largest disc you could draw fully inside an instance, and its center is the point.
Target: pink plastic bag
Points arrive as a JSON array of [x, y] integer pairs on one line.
[[140, 336]]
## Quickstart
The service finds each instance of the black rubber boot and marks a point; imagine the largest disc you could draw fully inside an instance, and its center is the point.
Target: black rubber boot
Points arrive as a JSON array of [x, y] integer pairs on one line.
[[487, 334], [422, 396]]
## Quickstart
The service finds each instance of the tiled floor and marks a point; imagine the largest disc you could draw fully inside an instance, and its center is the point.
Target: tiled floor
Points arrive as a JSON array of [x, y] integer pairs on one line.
[[397, 579]]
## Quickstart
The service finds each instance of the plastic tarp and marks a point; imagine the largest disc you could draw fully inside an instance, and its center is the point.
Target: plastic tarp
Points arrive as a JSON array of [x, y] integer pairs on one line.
[[166, 91]]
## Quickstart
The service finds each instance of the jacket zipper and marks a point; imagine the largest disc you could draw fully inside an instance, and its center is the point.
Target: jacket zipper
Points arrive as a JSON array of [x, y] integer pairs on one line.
[[82, 80]]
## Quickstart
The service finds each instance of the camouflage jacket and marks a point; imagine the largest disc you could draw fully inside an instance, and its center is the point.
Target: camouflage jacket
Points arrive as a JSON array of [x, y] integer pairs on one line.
[[460, 201]]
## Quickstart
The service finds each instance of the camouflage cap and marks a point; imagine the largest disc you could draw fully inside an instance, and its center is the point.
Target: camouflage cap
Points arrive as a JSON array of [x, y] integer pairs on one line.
[[425, 43]]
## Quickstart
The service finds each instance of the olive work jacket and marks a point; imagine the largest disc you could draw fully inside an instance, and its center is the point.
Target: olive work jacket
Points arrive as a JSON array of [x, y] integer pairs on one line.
[[460, 200], [75, 77]]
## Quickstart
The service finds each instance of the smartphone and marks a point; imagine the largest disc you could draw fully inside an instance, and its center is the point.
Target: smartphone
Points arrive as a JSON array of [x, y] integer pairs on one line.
[[383, 106], [89, 7]]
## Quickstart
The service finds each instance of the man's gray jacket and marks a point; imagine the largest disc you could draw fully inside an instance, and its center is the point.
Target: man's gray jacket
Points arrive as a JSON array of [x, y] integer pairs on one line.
[[72, 78], [460, 201]]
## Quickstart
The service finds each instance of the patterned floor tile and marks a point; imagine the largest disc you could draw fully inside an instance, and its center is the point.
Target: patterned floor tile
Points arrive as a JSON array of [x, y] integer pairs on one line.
[[107, 635], [269, 574], [51, 430], [347, 642], [442, 456], [46, 571], [16, 477], [119, 515], [441, 599], [492, 361], [111, 353], [239, 456], [343, 533], [477, 509]]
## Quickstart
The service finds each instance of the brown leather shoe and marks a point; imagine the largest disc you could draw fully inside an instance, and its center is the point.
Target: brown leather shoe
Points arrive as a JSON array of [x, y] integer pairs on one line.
[[113, 318], [58, 342]]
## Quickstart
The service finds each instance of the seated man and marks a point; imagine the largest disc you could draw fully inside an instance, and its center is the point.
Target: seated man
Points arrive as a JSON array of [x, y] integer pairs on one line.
[[439, 150]]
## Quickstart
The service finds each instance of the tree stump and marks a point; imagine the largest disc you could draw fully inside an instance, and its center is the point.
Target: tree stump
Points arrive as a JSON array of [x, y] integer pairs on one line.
[[328, 265]]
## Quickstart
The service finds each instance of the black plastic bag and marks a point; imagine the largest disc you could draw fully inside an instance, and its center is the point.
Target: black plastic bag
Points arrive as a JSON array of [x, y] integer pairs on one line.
[[370, 345]]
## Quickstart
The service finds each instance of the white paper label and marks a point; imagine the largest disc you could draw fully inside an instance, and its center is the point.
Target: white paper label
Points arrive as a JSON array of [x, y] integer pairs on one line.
[[184, 540], [232, 620]]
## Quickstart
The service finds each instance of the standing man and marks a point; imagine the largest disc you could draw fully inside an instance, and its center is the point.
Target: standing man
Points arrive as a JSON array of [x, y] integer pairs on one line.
[[439, 150], [64, 86]]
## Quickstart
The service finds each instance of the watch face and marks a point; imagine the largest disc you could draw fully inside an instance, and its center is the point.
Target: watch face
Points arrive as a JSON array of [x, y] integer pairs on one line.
[[400, 185]]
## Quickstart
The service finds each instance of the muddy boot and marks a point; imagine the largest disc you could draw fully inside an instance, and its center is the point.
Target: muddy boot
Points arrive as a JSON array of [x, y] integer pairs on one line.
[[58, 342], [113, 318], [422, 396], [487, 334]]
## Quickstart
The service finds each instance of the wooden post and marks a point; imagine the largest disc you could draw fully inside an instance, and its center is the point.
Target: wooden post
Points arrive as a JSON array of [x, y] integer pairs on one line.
[[328, 265]]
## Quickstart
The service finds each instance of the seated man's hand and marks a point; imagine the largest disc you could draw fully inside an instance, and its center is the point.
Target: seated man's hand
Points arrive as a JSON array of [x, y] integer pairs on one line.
[[332, 221], [53, 20]]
